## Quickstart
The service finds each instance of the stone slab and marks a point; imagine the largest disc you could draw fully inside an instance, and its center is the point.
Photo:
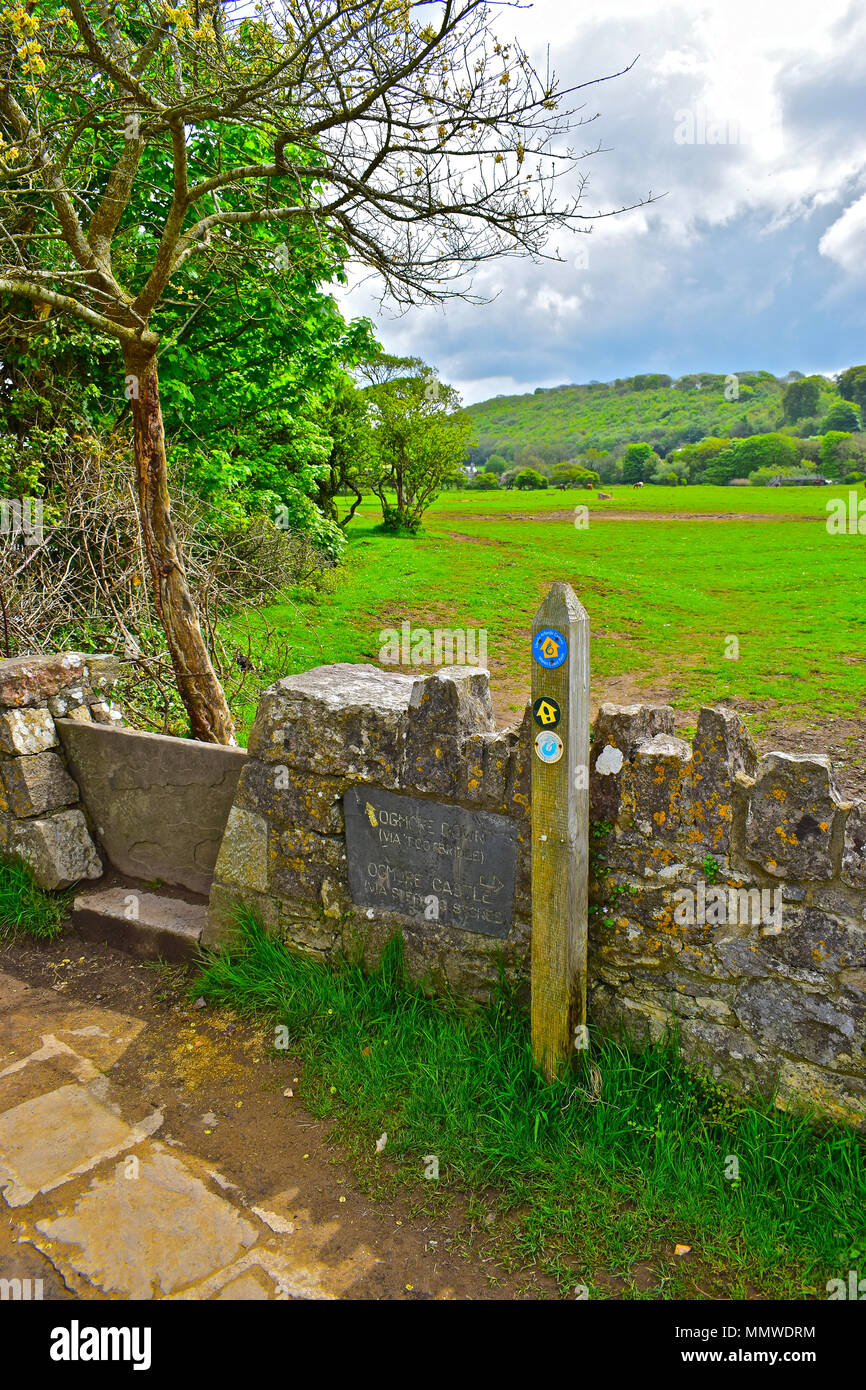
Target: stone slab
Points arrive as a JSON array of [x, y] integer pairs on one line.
[[152, 926], [51, 1138], [148, 1236], [158, 805]]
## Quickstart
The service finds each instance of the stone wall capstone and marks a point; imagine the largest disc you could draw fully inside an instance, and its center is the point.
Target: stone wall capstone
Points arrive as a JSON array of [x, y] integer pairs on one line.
[[728, 892]]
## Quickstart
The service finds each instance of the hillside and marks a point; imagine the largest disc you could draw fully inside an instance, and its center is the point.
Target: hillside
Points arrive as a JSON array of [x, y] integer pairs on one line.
[[563, 422]]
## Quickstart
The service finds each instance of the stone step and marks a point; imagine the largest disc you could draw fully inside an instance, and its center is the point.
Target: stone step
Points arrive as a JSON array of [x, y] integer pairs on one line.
[[153, 926]]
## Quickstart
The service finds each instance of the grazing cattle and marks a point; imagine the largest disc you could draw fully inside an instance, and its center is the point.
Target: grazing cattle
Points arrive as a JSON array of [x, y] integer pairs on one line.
[[606, 496], [638, 484]]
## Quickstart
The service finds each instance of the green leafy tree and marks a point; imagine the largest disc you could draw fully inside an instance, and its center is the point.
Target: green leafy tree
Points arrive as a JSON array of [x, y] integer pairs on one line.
[[496, 464], [529, 479], [419, 437], [801, 398], [852, 386], [746, 456], [345, 117], [842, 452], [671, 472], [485, 482], [842, 415], [638, 462], [697, 457]]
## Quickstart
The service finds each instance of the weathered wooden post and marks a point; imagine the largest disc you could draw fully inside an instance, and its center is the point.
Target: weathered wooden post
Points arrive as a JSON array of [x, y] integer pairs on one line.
[[560, 826]]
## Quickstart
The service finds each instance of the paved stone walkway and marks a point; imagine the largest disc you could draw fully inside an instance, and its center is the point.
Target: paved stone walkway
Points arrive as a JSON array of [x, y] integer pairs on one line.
[[113, 1211]]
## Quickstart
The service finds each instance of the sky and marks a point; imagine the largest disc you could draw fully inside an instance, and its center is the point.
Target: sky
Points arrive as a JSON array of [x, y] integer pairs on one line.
[[755, 255]]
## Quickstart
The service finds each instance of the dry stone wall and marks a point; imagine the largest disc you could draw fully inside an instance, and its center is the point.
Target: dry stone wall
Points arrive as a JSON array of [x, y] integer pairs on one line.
[[335, 727], [728, 891], [41, 818]]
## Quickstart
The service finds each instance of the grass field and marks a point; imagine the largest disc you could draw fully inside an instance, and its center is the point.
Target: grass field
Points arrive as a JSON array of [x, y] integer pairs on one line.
[[668, 577]]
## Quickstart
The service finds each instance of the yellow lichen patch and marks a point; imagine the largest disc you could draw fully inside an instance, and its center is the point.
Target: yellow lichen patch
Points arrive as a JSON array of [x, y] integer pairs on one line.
[[659, 817], [824, 826], [779, 793]]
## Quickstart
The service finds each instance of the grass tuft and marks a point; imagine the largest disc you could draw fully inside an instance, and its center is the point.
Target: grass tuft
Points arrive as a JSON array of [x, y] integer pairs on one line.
[[26, 909]]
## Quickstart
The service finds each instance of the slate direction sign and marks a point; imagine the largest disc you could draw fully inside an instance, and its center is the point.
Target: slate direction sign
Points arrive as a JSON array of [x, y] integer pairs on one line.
[[430, 861]]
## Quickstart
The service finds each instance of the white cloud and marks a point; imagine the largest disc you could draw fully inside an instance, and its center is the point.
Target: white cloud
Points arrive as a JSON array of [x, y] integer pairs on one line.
[[845, 241], [743, 228]]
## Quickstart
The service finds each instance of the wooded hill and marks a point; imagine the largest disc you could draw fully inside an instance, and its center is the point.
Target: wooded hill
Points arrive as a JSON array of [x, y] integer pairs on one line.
[[564, 422]]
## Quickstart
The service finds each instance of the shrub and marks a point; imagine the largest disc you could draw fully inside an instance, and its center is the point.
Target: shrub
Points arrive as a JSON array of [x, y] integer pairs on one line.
[[484, 482], [573, 474]]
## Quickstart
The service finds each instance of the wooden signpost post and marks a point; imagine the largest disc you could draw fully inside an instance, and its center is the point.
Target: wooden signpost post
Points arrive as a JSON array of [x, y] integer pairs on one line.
[[560, 827]]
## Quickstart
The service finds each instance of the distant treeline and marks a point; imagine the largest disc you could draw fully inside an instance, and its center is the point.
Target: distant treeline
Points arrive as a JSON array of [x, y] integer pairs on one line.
[[593, 425]]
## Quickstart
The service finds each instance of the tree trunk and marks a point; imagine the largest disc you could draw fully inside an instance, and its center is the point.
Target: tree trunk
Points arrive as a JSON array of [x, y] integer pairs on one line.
[[196, 679]]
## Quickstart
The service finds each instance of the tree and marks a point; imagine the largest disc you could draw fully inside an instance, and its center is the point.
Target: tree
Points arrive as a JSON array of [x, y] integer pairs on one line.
[[698, 457], [496, 464], [801, 398], [839, 451], [852, 386], [528, 478], [419, 437], [402, 133], [746, 456], [638, 462], [841, 416], [671, 472], [352, 451]]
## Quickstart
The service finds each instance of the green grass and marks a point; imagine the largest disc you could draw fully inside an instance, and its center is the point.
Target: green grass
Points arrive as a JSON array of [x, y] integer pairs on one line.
[[606, 1167], [25, 909], [663, 595]]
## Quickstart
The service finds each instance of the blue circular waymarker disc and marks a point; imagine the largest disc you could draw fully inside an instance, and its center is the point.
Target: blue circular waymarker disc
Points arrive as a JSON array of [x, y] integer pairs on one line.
[[549, 648]]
